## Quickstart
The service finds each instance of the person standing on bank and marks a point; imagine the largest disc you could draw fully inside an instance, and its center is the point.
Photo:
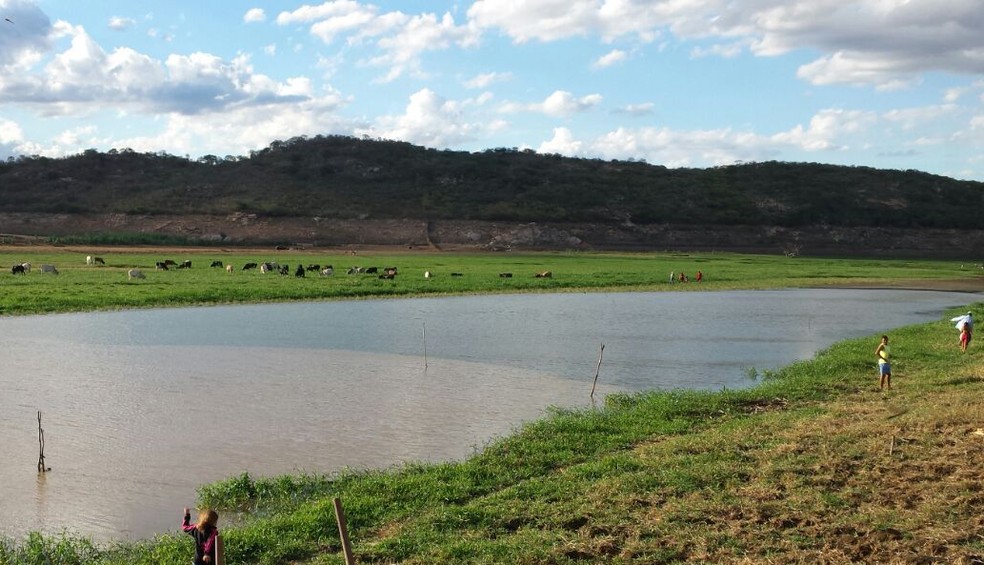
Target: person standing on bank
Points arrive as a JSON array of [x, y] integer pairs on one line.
[[204, 532], [884, 364]]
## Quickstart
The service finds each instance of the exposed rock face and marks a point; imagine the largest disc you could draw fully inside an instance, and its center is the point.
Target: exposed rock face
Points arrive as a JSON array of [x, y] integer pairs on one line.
[[248, 229]]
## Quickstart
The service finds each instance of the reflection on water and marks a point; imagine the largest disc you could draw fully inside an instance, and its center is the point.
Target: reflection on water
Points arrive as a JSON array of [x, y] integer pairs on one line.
[[142, 407]]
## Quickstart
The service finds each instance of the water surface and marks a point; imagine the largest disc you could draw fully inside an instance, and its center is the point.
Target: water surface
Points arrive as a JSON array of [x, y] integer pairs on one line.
[[141, 407]]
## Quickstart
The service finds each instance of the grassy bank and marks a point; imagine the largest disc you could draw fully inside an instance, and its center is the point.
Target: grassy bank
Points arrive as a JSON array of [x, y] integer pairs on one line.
[[813, 465], [81, 287]]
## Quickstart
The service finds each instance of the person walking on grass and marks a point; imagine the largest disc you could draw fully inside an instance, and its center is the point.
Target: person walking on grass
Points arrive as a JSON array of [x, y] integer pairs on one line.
[[965, 336], [204, 532], [884, 364]]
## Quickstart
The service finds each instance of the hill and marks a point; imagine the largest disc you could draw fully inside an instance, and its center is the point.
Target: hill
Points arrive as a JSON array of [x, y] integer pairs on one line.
[[341, 190]]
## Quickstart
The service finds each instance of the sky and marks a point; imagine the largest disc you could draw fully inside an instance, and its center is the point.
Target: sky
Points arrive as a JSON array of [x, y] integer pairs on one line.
[[894, 84]]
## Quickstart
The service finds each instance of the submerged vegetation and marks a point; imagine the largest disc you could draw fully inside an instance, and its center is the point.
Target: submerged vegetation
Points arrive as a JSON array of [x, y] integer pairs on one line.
[[813, 464]]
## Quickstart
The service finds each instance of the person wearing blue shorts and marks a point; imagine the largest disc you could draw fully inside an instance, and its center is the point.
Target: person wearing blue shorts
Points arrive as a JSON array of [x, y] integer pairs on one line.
[[884, 363]]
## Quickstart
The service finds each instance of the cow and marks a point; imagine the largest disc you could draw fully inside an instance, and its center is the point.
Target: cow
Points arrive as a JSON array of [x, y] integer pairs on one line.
[[229, 268], [285, 270], [89, 260], [161, 266], [185, 265], [169, 262], [266, 268], [354, 270], [300, 270], [427, 274], [216, 264], [313, 268], [372, 270], [249, 266], [27, 267], [98, 261], [389, 270], [327, 271], [135, 274], [46, 268], [17, 270], [505, 275], [544, 275]]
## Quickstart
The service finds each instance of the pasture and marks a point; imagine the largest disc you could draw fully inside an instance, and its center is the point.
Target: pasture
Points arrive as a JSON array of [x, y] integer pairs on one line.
[[80, 286]]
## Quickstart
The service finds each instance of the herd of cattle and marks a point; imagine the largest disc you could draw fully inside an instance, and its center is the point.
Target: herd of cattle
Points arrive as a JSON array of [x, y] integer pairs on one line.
[[268, 267]]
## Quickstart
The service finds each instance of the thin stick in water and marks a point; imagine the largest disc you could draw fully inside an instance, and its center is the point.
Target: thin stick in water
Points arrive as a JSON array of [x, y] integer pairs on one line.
[[598, 369]]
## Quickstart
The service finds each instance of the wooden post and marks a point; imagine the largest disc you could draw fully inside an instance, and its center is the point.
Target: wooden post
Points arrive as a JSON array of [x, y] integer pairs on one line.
[[41, 466], [219, 550], [598, 369], [343, 531]]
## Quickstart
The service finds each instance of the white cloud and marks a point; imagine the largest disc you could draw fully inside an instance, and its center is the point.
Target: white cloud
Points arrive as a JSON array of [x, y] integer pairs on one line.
[[886, 43], [428, 120], [84, 80], [560, 104], [119, 23], [254, 15], [400, 39], [562, 143], [636, 110], [484, 80], [613, 57]]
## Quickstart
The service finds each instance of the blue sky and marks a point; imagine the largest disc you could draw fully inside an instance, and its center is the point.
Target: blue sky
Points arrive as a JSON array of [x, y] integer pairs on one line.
[[683, 83]]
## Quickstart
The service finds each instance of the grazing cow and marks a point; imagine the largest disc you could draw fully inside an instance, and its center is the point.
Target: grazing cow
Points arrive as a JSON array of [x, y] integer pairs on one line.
[[371, 270], [285, 270], [327, 271], [161, 266], [18, 270], [216, 264], [544, 275], [169, 262], [313, 268], [45, 268], [185, 265], [27, 267], [249, 266], [135, 274], [266, 268], [505, 275], [229, 268], [427, 274], [389, 270], [354, 270], [300, 271], [89, 260], [457, 274], [98, 261]]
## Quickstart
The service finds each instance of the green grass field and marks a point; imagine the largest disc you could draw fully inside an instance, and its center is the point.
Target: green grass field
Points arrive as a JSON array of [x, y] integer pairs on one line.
[[812, 465], [79, 287]]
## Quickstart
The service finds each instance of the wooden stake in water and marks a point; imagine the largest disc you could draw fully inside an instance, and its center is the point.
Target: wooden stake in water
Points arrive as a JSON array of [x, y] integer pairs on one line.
[[425, 344], [343, 532], [598, 369], [41, 466]]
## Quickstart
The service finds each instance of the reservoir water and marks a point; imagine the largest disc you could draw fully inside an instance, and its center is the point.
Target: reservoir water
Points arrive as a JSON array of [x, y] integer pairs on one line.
[[141, 407]]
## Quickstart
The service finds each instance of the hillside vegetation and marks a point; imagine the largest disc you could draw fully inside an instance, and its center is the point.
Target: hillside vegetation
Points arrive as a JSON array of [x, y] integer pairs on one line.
[[347, 178]]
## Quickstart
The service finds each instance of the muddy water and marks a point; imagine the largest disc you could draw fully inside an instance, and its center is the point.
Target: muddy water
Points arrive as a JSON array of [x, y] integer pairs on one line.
[[141, 407]]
